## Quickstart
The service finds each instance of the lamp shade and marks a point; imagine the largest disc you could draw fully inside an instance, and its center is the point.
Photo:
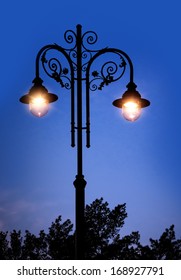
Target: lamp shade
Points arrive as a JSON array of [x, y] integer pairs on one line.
[[131, 103], [38, 99]]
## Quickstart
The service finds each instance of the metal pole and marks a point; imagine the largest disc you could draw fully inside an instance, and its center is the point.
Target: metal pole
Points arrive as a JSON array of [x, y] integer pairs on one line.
[[79, 182]]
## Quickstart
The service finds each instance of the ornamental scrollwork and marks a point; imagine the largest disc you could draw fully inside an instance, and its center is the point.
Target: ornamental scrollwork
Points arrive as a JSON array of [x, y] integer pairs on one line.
[[55, 68], [59, 66], [109, 72]]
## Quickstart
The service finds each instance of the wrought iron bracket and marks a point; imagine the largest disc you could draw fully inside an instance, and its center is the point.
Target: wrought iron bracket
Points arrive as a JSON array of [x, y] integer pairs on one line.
[[74, 65]]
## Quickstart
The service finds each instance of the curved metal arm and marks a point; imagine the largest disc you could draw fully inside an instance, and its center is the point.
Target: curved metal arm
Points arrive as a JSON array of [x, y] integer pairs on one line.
[[46, 48], [111, 68], [114, 51], [41, 57]]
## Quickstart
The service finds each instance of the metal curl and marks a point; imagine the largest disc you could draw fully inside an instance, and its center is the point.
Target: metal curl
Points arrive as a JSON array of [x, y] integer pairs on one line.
[[67, 85], [92, 86], [75, 68], [70, 36], [86, 55], [55, 65], [109, 68], [84, 67], [72, 55], [52, 67], [90, 38]]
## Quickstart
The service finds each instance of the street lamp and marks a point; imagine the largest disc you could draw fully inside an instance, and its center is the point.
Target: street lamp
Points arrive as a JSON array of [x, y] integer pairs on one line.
[[72, 70]]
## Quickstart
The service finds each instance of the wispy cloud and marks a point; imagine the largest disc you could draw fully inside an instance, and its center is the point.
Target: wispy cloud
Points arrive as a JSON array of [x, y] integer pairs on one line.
[[19, 212]]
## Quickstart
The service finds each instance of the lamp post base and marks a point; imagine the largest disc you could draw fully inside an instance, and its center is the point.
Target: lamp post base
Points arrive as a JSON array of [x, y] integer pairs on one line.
[[79, 184]]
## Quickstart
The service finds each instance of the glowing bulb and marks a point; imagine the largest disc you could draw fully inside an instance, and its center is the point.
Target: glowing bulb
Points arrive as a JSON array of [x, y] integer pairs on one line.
[[131, 110], [39, 105]]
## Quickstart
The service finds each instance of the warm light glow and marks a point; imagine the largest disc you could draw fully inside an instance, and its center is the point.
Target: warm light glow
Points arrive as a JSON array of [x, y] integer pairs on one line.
[[39, 105], [131, 110]]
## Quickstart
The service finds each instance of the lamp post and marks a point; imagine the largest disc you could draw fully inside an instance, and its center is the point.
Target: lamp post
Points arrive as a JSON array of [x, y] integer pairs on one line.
[[73, 70]]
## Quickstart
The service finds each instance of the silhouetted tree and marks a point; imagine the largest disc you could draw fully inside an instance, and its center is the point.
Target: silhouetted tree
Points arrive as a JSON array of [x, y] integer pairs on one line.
[[4, 249], [35, 248], [102, 239], [125, 248], [59, 240], [102, 227], [167, 247], [15, 250]]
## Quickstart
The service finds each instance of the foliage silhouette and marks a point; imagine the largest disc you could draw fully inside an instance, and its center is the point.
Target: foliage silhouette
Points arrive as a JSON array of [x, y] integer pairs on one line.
[[102, 227], [103, 240]]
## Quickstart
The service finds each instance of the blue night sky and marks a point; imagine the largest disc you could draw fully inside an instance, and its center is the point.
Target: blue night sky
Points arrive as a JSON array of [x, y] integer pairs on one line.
[[133, 163]]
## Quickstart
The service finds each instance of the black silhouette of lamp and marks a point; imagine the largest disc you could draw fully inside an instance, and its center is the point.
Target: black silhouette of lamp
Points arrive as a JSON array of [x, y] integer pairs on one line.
[[72, 70]]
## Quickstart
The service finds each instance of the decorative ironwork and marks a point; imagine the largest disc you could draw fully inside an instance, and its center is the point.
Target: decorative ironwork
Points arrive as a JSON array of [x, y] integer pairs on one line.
[[90, 38], [75, 64], [54, 69], [70, 37], [110, 71]]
